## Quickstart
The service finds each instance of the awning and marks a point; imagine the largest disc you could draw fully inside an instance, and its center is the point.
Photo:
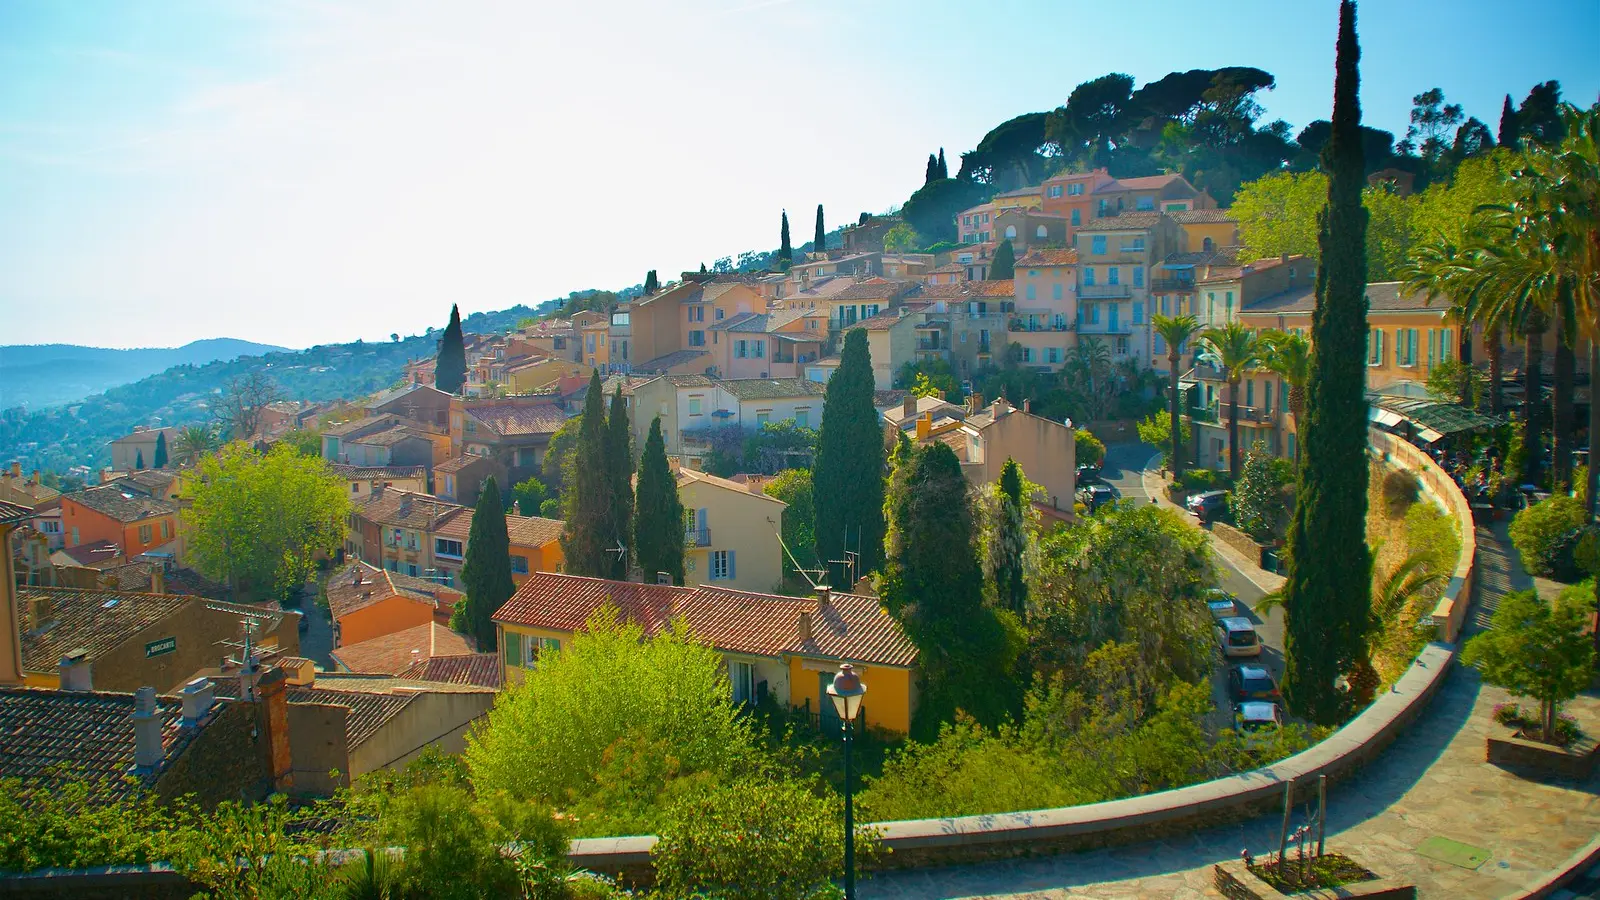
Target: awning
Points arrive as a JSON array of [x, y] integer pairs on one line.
[[1384, 417], [1428, 435], [1432, 415]]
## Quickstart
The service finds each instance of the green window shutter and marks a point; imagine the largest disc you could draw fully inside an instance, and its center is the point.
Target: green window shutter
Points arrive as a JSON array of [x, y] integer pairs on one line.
[[513, 649]]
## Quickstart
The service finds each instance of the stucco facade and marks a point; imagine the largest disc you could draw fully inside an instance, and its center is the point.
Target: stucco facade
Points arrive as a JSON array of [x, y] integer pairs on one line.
[[731, 534]]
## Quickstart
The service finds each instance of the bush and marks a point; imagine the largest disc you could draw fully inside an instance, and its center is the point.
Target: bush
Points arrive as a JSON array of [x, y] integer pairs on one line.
[[1091, 451], [1156, 430], [1543, 531], [1200, 480], [1537, 650], [1257, 501], [1400, 490], [1434, 533]]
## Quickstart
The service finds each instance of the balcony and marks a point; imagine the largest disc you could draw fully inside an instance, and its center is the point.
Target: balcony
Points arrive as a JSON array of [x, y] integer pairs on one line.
[[1105, 292], [1218, 414], [697, 537], [930, 344], [1171, 286], [1024, 325]]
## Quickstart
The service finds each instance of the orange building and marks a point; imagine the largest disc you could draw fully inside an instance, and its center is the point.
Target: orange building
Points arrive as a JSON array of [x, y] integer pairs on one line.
[[117, 513], [369, 602]]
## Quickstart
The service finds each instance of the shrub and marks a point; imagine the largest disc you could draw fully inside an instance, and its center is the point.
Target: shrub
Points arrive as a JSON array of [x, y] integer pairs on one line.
[[1537, 650], [1434, 533], [1091, 451], [1257, 501], [1156, 430], [1400, 490], [1539, 531], [1198, 480]]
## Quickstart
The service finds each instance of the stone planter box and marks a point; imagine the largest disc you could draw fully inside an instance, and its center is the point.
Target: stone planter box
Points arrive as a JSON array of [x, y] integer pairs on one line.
[[1235, 881], [1576, 762]]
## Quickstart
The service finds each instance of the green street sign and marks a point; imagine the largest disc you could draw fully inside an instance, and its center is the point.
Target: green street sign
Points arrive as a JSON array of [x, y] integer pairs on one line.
[[158, 648]]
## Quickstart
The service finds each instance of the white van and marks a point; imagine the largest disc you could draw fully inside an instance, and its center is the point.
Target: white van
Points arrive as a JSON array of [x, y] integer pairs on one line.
[[1237, 637]]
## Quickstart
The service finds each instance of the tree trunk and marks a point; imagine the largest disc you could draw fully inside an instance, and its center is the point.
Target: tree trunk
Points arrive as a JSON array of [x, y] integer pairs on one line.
[[1564, 414], [1533, 398], [1233, 429], [1297, 406], [1491, 341], [1464, 356], [1547, 717], [1177, 422]]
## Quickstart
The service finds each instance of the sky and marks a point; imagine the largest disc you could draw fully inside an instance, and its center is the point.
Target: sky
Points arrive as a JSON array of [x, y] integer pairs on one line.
[[299, 172]]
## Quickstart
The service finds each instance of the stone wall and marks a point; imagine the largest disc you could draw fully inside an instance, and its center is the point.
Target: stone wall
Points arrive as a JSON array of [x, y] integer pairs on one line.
[[1437, 484], [1238, 540]]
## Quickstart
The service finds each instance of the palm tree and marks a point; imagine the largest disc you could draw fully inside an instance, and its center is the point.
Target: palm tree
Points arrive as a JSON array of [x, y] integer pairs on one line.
[[193, 442], [1442, 267], [1175, 331], [1288, 356], [1234, 349], [1091, 361]]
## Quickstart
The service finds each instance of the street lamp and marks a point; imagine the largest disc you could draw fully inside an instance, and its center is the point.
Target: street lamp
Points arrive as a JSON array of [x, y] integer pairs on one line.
[[846, 692]]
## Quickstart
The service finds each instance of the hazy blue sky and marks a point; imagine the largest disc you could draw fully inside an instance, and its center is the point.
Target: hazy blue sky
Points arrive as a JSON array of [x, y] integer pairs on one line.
[[300, 172]]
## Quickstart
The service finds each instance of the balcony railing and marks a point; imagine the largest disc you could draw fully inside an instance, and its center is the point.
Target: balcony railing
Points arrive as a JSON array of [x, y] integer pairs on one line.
[[923, 344], [1172, 286], [697, 537], [1218, 413], [1105, 291], [1022, 325]]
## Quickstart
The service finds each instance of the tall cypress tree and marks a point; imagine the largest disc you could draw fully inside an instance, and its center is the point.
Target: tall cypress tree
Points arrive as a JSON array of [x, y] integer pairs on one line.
[[1510, 132], [931, 173], [1010, 542], [586, 496], [486, 571], [820, 241], [1327, 597], [161, 450], [138, 459], [785, 250], [450, 367], [1003, 266], [651, 283], [619, 473], [944, 170], [848, 475], [658, 526]]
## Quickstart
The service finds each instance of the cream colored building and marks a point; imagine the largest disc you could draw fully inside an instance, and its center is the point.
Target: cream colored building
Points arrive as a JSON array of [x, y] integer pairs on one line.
[[989, 435], [731, 534]]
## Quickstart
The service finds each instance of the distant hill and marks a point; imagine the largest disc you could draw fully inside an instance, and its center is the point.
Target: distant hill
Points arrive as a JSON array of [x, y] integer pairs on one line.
[[47, 374]]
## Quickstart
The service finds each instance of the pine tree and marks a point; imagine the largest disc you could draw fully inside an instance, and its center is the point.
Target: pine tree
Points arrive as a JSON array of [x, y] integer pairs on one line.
[[586, 496], [161, 450], [1003, 266], [486, 572], [1327, 596], [944, 170], [848, 474], [450, 367], [1509, 130], [619, 473], [785, 250], [651, 283], [1010, 542], [138, 459], [931, 173], [820, 241], [658, 525]]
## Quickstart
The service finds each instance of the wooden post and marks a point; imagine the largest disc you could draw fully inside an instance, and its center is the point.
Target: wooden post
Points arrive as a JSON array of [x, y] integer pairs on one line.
[[1283, 830], [1322, 811]]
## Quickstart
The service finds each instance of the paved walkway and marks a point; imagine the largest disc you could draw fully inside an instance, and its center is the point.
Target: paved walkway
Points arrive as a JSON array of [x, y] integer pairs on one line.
[[1432, 781]]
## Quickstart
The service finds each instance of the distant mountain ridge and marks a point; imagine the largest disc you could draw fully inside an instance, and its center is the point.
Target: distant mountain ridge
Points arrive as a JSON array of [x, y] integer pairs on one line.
[[48, 374]]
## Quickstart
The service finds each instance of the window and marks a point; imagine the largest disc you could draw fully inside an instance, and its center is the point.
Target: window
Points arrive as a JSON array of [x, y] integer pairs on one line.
[[514, 648], [471, 427], [1267, 398], [1138, 276], [1144, 204], [1055, 291], [1405, 346], [1138, 312], [697, 338], [760, 348], [1029, 293], [166, 529], [1447, 345], [1114, 275], [1055, 191], [144, 534], [721, 565], [1122, 345], [1249, 392], [743, 677], [719, 315], [739, 350], [1077, 217], [802, 416], [1211, 306], [986, 218], [1164, 305], [355, 487], [1094, 313], [447, 547], [763, 417], [1054, 354], [1011, 232], [1027, 354], [519, 564], [1098, 244], [411, 569], [1075, 190], [966, 220], [1088, 276], [588, 341], [75, 541], [694, 406], [1374, 347], [1041, 232]]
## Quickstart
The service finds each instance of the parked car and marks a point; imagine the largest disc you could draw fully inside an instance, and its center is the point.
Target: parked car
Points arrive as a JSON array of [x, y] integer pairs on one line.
[[1249, 682], [1096, 495], [1222, 604], [1257, 715], [1088, 475], [1207, 506], [1237, 637]]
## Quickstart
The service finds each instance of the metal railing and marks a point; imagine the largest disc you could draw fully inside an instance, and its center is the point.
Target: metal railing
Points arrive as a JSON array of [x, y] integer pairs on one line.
[[1023, 325], [1105, 291], [1178, 285], [697, 537]]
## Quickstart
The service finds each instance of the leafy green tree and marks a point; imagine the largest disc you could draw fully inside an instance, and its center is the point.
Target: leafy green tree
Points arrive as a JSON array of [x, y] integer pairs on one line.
[[619, 472], [933, 375], [785, 250], [1328, 591], [1278, 214], [590, 535], [305, 441], [820, 241], [259, 521], [793, 486], [161, 450], [931, 211], [550, 508], [1539, 116], [1257, 499], [1175, 331], [486, 572], [1235, 349], [450, 367], [849, 469], [1003, 266], [933, 585], [1155, 430], [195, 441], [556, 467], [902, 238], [1540, 531], [527, 497], [1288, 356], [1536, 649], [1008, 541], [1088, 449], [1009, 156], [658, 525], [1097, 114]]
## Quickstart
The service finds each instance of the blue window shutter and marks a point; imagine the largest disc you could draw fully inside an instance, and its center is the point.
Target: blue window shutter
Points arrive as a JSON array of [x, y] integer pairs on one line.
[[700, 518], [733, 571]]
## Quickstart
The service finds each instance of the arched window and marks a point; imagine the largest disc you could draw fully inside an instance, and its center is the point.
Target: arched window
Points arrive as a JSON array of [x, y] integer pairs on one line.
[[1207, 245], [1042, 232], [1011, 232]]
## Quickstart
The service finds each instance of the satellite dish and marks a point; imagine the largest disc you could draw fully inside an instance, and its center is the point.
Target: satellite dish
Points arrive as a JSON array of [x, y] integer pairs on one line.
[[619, 550]]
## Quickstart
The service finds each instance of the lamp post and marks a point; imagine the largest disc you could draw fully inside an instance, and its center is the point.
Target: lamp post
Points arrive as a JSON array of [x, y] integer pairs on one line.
[[846, 692]]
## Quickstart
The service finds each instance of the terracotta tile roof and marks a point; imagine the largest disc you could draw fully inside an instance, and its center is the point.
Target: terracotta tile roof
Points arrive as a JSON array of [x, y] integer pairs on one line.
[[388, 437], [882, 321], [772, 388], [1138, 221], [136, 577], [389, 396], [24, 491], [1043, 257], [390, 653], [533, 531], [875, 289], [95, 554], [1202, 216], [56, 736], [691, 476], [669, 360], [1142, 183], [368, 711], [121, 503], [457, 464], [519, 418], [482, 669], [361, 426], [1004, 288], [58, 620], [1382, 296], [948, 269], [153, 482], [691, 380], [148, 435], [347, 595], [850, 627], [743, 322], [359, 473], [405, 509]]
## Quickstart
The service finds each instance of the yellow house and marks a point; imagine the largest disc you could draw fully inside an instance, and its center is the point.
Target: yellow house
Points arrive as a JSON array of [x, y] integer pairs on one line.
[[537, 374], [785, 648], [731, 534]]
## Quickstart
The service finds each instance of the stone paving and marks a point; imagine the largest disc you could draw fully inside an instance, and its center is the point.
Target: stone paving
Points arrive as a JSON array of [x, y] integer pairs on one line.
[[1432, 781]]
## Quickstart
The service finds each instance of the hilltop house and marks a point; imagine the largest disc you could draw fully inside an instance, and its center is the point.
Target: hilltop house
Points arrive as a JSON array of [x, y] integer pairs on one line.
[[731, 533]]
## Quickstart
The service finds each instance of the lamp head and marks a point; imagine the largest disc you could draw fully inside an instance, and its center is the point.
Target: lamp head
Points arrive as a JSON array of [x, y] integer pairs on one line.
[[846, 692]]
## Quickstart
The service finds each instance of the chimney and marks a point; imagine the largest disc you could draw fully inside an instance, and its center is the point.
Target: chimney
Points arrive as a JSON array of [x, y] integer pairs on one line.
[[198, 697], [16, 470], [358, 574], [1027, 405], [908, 406], [272, 716], [405, 505], [805, 626], [824, 594], [36, 477], [158, 579], [74, 671], [377, 490], [147, 752], [664, 578], [924, 426], [1000, 407], [974, 403]]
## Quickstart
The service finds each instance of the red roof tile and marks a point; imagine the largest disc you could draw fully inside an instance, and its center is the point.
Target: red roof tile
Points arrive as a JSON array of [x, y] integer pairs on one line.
[[389, 654]]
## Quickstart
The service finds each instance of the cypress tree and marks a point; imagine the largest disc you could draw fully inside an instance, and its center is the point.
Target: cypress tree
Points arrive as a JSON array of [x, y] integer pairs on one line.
[[619, 473], [931, 173], [785, 251], [586, 496], [1509, 132], [944, 170], [1010, 542], [450, 367], [658, 528], [1003, 266], [651, 283], [820, 241], [486, 571], [1327, 597], [702, 268], [138, 459], [161, 450], [848, 475]]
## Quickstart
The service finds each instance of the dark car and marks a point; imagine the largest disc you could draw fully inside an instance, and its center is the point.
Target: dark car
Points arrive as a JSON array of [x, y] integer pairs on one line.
[[1095, 496], [1222, 604], [1207, 506], [1088, 475], [1251, 683]]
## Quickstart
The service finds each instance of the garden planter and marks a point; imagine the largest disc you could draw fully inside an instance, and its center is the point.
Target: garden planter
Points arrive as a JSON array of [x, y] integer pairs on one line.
[[1575, 761], [1234, 880]]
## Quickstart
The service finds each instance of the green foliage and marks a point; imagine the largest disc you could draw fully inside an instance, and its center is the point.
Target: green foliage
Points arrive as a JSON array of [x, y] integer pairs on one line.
[[1257, 499], [1400, 491], [1453, 381], [556, 467], [305, 441], [612, 712], [618, 459], [69, 823], [528, 496], [1536, 649], [793, 486], [902, 238], [785, 249], [1009, 549], [1235, 349], [251, 851], [450, 367], [1156, 430], [260, 520], [933, 584], [590, 533], [658, 529], [1002, 266], [550, 508], [1278, 214], [1089, 450], [932, 210], [819, 242], [486, 571], [138, 459], [848, 473], [753, 839], [926, 378], [777, 446], [1538, 531], [161, 450]]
